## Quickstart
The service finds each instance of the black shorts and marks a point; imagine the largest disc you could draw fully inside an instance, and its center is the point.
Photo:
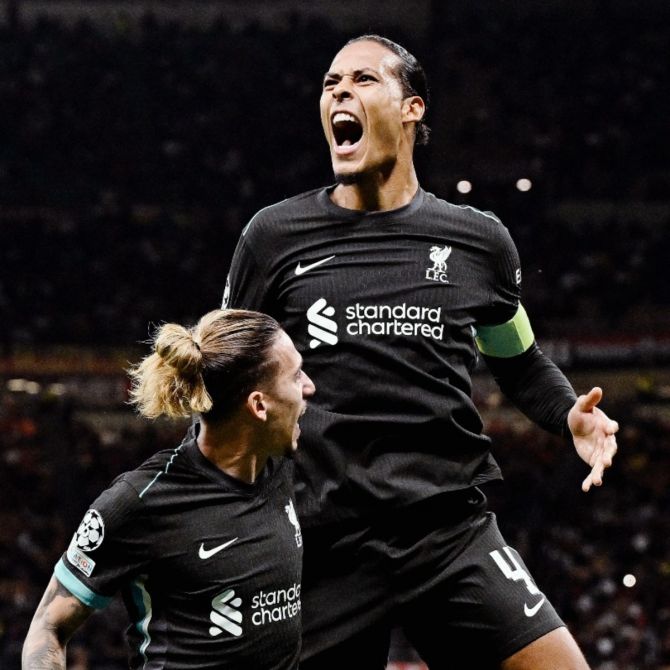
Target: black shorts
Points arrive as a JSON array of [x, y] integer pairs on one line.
[[440, 569]]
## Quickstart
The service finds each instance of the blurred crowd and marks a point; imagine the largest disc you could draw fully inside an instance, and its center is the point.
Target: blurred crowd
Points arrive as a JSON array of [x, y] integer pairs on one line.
[[133, 153], [578, 547], [603, 558], [52, 467]]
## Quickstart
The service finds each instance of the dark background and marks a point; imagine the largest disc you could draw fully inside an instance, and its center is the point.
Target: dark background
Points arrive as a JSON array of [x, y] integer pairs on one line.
[[139, 137]]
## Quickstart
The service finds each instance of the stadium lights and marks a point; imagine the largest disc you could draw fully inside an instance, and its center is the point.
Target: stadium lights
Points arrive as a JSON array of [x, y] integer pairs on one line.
[[524, 185], [23, 386], [629, 581]]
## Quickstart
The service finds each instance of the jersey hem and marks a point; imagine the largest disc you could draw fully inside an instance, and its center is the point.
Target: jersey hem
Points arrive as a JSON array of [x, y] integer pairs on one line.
[[78, 589]]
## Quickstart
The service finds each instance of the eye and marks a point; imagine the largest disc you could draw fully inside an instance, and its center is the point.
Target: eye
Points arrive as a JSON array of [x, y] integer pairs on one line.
[[364, 78], [329, 83]]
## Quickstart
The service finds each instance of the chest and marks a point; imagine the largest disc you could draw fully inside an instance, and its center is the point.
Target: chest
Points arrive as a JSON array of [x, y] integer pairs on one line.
[[410, 287], [212, 545]]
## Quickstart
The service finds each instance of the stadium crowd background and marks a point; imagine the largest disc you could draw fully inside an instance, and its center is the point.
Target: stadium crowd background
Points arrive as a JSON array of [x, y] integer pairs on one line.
[[133, 152]]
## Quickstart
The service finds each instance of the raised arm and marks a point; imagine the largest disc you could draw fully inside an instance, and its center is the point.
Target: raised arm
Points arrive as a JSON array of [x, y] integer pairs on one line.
[[541, 391], [58, 616]]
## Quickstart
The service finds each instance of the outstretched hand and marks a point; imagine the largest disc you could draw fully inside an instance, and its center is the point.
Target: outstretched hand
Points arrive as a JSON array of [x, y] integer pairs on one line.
[[593, 433]]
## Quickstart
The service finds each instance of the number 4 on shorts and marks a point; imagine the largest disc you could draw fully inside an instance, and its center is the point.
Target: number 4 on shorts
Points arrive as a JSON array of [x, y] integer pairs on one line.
[[513, 570]]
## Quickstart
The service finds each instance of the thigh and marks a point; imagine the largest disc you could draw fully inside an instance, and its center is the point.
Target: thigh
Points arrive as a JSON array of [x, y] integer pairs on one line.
[[345, 597], [366, 649], [484, 607], [557, 650]]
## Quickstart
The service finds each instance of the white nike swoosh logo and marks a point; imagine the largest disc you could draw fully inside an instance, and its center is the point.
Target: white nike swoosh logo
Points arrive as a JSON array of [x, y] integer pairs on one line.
[[208, 553], [301, 269], [532, 611]]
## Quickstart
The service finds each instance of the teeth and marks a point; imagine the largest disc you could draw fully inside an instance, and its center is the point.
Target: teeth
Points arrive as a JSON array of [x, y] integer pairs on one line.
[[342, 117], [346, 143]]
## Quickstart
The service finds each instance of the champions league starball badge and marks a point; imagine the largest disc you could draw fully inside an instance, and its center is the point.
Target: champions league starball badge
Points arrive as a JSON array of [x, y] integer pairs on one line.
[[91, 532]]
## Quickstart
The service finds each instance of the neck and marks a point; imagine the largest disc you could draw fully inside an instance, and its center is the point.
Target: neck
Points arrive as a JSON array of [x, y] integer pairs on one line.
[[382, 190], [230, 445]]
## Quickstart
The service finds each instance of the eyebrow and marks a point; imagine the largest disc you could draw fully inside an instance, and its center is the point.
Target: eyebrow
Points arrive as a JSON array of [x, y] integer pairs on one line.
[[356, 73]]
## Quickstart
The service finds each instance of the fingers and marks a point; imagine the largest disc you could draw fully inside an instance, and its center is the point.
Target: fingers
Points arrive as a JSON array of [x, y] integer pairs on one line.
[[586, 484], [612, 427], [594, 478], [610, 450], [598, 432], [597, 474], [587, 402], [602, 460]]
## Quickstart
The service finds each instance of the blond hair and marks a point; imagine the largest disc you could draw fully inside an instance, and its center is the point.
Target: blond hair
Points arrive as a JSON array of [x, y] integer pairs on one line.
[[207, 369]]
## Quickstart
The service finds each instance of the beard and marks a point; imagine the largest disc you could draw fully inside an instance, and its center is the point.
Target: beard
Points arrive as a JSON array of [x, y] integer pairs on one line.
[[369, 175], [349, 178]]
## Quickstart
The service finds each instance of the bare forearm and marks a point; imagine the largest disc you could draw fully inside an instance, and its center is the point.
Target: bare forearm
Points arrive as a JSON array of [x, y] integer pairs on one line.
[[42, 650], [58, 615]]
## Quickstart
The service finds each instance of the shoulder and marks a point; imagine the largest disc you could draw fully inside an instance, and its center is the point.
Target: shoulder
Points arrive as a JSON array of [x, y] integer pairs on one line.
[[283, 212], [113, 512], [466, 213], [129, 488], [163, 469], [140, 493], [481, 227], [121, 501]]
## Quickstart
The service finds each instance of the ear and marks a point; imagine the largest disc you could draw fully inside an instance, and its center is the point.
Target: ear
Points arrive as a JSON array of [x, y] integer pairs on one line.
[[413, 109], [257, 405]]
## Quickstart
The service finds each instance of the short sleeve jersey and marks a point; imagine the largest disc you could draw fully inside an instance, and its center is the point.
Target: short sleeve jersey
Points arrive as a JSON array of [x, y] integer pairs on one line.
[[383, 307], [209, 567]]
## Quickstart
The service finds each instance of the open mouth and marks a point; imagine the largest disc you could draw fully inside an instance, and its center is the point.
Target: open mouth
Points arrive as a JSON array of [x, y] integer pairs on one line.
[[347, 129]]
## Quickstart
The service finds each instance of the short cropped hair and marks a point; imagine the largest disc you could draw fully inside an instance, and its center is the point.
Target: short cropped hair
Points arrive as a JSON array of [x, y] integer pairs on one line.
[[410, 74]]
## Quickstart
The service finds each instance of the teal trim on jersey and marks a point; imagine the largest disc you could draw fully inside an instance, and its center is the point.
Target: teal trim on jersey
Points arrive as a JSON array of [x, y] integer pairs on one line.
[[507, 339], [150, 484], [78, 589], [162, 472], [142, 601], [489, 215]]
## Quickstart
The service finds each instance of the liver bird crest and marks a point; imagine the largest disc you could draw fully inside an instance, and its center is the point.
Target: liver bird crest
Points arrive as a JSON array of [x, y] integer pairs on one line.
[[439, 257]]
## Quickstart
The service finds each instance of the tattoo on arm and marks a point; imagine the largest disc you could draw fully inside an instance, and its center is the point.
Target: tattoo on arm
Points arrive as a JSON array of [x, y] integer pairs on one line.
[[43, 655], [57, 617]]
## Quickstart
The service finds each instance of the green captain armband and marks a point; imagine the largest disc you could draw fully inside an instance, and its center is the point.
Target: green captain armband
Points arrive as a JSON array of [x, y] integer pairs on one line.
[[506, 339]]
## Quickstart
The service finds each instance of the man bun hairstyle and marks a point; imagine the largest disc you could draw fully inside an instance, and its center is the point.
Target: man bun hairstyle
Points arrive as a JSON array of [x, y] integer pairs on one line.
[[411, 75], [208, 369]]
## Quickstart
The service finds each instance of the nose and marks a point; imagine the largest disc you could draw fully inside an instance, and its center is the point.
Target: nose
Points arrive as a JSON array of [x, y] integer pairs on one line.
[[342, 89], [308, 388]]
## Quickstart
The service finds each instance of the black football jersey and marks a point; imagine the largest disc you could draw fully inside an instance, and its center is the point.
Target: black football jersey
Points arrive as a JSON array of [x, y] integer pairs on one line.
[[209, 567], [383, 307]]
